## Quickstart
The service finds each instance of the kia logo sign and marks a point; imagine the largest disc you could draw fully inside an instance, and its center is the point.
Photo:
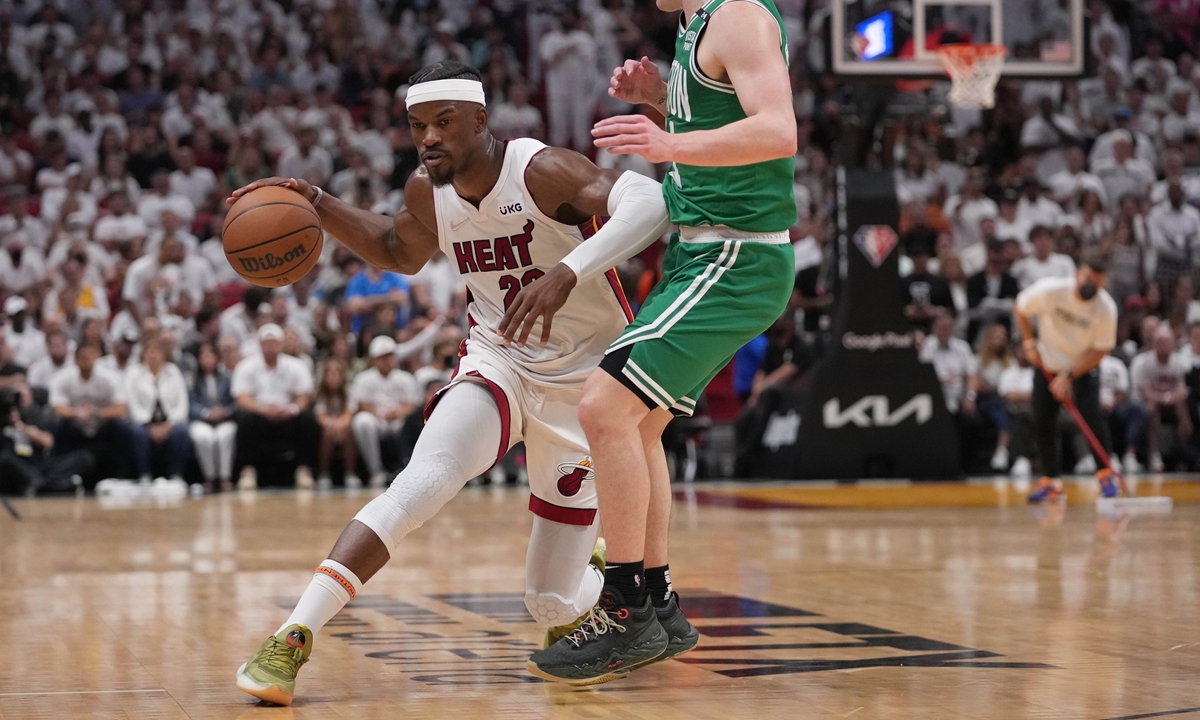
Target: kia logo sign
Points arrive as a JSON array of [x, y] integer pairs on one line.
[[875, 411]]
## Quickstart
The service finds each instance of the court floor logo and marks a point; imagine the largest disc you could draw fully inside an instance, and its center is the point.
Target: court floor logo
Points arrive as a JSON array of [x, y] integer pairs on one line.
[[435, 642]]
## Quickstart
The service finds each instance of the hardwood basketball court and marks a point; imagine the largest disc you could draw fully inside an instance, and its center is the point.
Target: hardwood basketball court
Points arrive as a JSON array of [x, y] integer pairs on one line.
[[808, 607]]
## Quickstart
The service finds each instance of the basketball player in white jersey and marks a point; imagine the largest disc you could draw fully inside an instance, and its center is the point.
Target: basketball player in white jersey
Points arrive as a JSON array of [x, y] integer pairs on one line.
[[508, 213]]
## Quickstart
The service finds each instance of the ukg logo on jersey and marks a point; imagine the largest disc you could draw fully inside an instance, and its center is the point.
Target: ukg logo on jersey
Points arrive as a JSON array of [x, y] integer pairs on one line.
[[271, 261]]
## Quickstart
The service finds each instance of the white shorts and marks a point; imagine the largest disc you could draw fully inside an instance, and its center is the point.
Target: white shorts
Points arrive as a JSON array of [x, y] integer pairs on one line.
[[561, 482]]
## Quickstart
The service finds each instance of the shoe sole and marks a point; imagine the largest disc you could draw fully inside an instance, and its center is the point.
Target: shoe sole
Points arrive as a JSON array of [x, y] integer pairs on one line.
[[536, 671], [269, 692]]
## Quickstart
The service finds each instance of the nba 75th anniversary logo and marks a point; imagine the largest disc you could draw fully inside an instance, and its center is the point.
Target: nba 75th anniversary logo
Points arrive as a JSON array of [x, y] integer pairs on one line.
[[271, 261]]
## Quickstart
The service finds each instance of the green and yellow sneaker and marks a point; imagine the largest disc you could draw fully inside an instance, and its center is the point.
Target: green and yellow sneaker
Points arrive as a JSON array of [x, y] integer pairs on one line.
[[559, 632], [271, 673]]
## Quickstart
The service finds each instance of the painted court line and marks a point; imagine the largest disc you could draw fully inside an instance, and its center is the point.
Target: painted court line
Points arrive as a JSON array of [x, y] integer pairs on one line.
[[83, 692], [1164, 713]]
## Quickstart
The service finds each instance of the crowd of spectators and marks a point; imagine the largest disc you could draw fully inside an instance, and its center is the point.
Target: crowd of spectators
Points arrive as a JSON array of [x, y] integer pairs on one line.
[[130, 348]]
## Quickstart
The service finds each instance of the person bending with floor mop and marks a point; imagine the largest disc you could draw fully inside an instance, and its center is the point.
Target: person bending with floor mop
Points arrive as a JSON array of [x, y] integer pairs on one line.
[[1076, 328]]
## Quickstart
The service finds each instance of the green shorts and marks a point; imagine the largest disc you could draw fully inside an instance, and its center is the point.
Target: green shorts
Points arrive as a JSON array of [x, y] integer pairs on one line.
[[719, 290]]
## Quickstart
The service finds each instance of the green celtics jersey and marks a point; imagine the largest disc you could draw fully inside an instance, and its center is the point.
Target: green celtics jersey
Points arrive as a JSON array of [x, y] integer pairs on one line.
[[752, 198]]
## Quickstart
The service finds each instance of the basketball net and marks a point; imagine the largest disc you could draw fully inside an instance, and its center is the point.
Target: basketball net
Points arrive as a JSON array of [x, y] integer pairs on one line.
[[974, 69]]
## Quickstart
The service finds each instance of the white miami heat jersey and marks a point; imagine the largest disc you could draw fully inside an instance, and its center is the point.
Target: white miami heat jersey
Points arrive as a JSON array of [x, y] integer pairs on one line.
[[507, 243]]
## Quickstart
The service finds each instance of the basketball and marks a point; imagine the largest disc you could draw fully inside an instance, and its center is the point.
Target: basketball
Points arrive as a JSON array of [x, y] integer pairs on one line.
[[272, 236]]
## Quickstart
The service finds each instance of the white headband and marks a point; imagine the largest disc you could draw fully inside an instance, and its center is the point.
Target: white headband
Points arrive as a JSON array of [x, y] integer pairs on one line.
[[464, 90]]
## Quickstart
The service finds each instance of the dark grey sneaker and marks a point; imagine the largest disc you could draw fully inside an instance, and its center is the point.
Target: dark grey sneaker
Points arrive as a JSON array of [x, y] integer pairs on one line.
[[614, 640], [682, 636]]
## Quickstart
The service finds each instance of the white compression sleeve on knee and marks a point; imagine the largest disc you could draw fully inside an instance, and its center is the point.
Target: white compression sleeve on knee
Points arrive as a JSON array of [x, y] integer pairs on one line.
[[639, 217], [560, 584], [458, 443]]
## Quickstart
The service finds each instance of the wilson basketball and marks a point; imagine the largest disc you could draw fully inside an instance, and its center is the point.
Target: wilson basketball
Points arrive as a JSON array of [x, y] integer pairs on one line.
[[272, 236]]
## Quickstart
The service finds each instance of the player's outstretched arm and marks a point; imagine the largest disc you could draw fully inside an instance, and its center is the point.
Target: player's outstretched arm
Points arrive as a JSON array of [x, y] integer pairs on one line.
[[743, 38], [569, 188], [402, 244]]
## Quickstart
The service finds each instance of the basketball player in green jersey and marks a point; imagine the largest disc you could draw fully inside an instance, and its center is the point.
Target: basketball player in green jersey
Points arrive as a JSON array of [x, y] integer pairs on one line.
[[727, 276]]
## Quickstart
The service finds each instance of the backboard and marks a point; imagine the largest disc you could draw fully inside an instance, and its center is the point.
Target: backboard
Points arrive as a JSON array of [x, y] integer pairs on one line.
[[898, 38]]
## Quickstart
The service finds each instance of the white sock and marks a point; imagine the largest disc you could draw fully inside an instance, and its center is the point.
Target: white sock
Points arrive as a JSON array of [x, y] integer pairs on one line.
[[331, 588]]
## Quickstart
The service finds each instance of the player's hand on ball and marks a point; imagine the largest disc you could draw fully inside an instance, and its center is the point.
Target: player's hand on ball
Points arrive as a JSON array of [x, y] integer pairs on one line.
[[634, 135], [539, 299], [298, 184], [636, 82]]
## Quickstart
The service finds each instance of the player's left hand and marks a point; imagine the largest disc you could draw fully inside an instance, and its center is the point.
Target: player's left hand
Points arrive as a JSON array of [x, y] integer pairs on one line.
[[634, 135], [1060, 387], [539, 299]]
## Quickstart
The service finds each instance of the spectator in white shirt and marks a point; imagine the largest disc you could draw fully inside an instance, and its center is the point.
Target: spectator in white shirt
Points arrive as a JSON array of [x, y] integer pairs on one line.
[[1174, 229], [306, 160], [274, 394], [121, 226], [26, 342], [240, 321], [1035, 208], [57, 357], [1008, 225], [119, 362], [1065, 185], [161, 197], [956, 366], [37, 233], [155, 283], [1124, 173], [1043, 262], [69, 199], [169, 225], [515, 117], [158, 409], [190, 180], [77, 299], [90, 405], [1126, 418], [21, 267], [384, 396], [1182, 118], [53, 118], [1158, 380], [1016, 387], [1047, 134]]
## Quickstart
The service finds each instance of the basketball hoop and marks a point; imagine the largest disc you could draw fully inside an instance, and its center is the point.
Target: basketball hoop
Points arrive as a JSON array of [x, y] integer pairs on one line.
[[974, 69]]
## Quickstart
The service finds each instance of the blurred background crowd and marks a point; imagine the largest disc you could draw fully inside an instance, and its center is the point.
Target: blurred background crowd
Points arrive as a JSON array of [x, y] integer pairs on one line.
[[130, 348]]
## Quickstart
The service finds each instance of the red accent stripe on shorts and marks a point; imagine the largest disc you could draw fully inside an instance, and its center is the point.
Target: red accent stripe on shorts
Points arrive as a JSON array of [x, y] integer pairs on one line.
[[505, 414], [338, 576], [615, 282], [560, 514]]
